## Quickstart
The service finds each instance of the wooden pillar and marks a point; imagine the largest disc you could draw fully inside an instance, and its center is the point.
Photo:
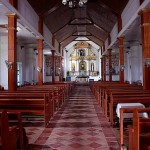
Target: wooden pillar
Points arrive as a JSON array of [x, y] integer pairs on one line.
[[103, 48], [60, 67], [12, 52], [53, 59], [40, 61], [145, 30], [59, 48], [40, 52], [104, 68], [119, 23], [53, 66], [14, 3], [121, 58], [110, 64], [53, 40], [101, 63]]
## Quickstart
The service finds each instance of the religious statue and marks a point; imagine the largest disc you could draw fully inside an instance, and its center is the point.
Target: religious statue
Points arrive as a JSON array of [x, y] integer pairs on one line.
[[82, 52], [82, 67]]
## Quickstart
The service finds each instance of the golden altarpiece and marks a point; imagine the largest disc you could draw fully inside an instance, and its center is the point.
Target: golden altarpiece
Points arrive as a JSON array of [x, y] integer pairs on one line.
[[83, 61]]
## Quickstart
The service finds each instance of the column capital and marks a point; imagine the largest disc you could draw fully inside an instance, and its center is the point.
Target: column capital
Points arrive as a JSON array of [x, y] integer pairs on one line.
[[146, 10], [121, 37], [12, 15]]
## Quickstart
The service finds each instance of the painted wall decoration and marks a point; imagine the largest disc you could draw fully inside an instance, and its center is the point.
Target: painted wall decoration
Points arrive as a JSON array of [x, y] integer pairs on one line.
[[48, 65], [73, 67]]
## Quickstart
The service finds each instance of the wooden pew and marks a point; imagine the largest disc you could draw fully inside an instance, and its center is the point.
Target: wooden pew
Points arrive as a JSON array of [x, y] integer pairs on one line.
[[124, 92], [106, 92], [27, 94], [59, 91], [15, 118], [8, 135], [28, 107], [140, 131], [113, 103], [102, 89], [129, 110], [1, 88]]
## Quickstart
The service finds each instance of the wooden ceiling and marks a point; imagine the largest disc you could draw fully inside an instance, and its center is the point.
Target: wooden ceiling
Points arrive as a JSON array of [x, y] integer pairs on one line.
[[95, 20]]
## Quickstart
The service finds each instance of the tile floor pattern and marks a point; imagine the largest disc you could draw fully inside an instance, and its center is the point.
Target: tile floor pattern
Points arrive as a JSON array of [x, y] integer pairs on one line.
[[78, 125]]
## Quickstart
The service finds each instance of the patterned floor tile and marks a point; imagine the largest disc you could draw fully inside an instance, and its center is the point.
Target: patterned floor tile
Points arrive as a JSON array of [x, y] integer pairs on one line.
[[78, 125]]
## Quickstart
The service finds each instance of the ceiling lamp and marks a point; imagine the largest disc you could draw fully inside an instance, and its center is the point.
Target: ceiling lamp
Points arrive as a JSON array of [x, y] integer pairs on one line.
[[74, 3]]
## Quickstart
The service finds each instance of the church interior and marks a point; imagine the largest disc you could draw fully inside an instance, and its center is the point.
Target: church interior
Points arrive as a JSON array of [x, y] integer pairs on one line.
[[74, 75]]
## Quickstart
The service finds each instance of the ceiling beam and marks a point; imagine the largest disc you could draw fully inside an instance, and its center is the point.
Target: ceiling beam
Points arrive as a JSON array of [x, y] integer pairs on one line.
[[65, 25], [81, 40], [100, 28], [82, 34], [106, 6], [95, 41], [66, 39], [89, 21], [96, 37], [51, 8]]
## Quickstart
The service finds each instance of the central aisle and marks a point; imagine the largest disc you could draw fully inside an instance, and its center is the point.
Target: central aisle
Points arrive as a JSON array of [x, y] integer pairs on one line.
[[78, 125]]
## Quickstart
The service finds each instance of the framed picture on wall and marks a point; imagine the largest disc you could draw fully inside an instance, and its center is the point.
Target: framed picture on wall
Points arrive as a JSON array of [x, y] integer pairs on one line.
[[48, 65]]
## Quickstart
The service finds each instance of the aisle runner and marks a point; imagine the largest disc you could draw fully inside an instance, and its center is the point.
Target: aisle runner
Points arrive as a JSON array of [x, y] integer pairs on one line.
[[79, 125]]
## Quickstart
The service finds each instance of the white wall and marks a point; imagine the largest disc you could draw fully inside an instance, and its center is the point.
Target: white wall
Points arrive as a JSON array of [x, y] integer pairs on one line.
[[47, 34], [136, 64], [21, 58], [3, 57], [45, 78], [106, 44], [27, 12], [133, 63], [131, 8], [114, 77], [29, 64], [114, 32]]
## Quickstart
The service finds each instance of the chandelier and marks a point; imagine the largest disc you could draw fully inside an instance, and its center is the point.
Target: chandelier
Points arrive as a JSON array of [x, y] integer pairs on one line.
[[74, 3]]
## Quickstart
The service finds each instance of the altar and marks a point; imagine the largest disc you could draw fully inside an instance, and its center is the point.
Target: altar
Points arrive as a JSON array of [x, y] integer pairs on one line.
[[82, 78]]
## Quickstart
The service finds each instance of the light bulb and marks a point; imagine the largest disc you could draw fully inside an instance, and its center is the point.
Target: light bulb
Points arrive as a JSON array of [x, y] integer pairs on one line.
[[84, 1], [64, 2], [70, 4], [80, 3]]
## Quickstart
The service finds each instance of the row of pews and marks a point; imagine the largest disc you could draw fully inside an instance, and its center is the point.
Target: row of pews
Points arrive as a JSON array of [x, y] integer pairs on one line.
[[1, 88], [31, 102], [111, 94], [12, 136]]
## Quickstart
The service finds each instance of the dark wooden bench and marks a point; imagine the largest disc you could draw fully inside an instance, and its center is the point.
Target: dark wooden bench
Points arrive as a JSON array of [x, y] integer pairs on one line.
[[8, 135], [15, 118], [28, 107], [113, 103], [139, 133], [1, 88], [57, 93], [48, 96]]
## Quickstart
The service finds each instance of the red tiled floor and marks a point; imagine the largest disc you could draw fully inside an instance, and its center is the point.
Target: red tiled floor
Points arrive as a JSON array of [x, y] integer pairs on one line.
[[78, 125]]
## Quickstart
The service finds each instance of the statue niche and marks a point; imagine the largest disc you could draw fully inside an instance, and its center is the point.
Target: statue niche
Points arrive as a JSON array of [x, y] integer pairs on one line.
[[82, 68], [82, 52]]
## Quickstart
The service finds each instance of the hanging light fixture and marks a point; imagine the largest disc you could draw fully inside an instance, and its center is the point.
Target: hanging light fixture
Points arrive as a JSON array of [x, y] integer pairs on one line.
[[74, 3]]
